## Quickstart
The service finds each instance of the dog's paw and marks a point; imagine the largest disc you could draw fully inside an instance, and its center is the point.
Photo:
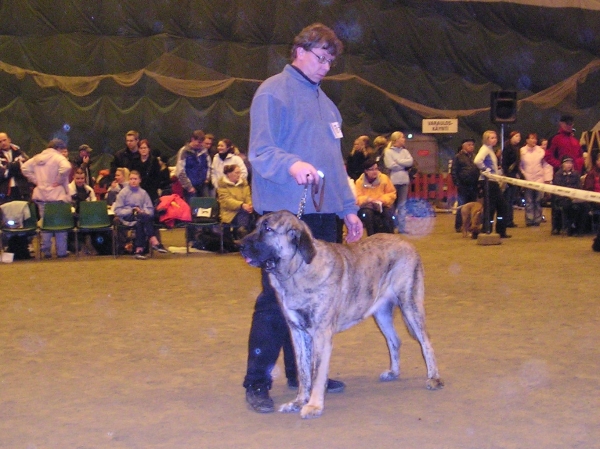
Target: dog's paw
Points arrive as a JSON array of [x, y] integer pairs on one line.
[[434, 384], [388, 376], [291, 407], [311, 411]]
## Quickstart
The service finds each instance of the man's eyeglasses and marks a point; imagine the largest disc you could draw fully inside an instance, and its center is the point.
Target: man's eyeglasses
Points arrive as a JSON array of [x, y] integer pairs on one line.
[[323, 59]]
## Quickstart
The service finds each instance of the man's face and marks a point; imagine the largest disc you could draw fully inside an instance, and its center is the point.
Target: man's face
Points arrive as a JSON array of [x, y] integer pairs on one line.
[[79, 179], [308, 62], [64, 152], [372, 172], [134, 180], [566, 127], [208, 142], [131, 142], [4, 141], [469, 147], [196, 144]]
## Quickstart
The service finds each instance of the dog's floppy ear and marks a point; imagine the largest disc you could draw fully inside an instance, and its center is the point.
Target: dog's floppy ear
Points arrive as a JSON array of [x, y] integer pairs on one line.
[[303, 240]]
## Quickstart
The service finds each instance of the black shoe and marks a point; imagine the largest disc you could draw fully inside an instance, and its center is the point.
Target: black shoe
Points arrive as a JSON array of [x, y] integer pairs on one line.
[[555, 232], [511, 225], [505, 236], [258, 398], [333, 386], [160, 248]]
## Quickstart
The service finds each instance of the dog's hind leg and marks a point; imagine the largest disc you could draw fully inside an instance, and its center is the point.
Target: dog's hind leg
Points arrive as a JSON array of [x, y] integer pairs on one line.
[[413, 312], [384, 318]]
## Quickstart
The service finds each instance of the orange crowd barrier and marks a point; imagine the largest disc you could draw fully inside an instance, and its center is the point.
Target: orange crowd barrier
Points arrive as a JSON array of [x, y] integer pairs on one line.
[[437, 188]]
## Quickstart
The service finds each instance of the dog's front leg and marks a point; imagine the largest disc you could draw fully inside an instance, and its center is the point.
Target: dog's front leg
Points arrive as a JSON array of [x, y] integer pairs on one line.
[[322, 346], [303, 350]]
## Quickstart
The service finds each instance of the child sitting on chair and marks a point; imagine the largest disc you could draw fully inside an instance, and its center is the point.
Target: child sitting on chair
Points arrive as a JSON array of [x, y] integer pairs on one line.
[[134, 208]]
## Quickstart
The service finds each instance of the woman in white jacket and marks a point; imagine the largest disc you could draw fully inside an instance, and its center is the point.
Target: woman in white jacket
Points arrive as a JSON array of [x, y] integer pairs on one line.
[[226, 156], [397, 159]]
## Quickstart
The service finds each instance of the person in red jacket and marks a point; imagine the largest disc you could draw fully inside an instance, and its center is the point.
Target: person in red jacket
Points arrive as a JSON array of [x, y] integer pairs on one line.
[[564, 143]]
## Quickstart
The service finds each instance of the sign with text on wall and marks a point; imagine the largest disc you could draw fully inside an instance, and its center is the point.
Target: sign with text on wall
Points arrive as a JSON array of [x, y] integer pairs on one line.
[[440, 125]]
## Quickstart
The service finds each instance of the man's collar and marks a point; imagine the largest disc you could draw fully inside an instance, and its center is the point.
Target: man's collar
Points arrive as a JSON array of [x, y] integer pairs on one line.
[[305, 77]]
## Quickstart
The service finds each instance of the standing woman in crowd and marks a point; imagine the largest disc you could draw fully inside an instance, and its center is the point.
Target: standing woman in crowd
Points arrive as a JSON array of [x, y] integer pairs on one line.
[[487, 161], [397, 159], [149, 169], [226, 156], [511, 161], [357, 157]]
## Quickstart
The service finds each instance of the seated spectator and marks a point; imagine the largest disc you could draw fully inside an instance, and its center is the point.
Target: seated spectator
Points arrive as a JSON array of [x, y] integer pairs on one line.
[[226, 156], [235, 201], [120, 181], [134, 208], [567, 213], [375, 196], [79, 191]]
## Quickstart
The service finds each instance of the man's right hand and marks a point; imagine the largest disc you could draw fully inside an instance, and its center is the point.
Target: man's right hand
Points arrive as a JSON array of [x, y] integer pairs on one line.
[[304, 173]]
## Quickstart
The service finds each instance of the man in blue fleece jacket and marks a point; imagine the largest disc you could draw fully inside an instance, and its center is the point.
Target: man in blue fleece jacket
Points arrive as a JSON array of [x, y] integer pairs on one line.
[[295, 131]]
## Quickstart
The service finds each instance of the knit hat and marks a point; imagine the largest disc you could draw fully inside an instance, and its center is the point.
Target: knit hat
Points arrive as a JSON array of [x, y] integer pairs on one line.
[[567, 158]]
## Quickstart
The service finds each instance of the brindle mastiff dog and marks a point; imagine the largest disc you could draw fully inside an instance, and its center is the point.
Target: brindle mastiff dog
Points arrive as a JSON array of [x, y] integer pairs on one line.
[[325, 288]]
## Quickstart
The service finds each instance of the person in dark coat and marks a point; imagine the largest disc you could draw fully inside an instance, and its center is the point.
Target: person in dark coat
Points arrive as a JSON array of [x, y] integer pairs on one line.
[[465, 176]]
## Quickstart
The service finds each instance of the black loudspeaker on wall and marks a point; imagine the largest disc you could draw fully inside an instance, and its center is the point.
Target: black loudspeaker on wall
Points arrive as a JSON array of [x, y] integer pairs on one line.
[[503, 106]]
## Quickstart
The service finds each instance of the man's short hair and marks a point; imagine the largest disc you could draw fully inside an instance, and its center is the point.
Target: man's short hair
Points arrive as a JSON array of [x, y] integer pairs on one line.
[[133, 133], [317, 35], [57, 144], [568, 119], [369, 162], [198, 135], [135, 172]]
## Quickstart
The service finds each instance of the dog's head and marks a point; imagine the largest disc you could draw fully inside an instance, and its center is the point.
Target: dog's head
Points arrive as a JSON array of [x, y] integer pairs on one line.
[[279, 243]]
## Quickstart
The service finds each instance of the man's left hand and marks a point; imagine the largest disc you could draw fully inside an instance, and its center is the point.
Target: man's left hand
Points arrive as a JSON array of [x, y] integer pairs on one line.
[[355, 228]]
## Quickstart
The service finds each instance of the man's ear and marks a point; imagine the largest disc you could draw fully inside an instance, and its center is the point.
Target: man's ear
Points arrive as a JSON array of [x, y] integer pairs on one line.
[[303, 240]]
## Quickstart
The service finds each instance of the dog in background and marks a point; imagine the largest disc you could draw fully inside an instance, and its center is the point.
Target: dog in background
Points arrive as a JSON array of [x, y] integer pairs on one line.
[[324, 288], [472, 218]]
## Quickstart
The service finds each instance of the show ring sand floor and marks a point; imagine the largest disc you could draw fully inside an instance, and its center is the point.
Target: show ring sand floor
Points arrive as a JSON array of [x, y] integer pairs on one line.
[[105, 353]]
